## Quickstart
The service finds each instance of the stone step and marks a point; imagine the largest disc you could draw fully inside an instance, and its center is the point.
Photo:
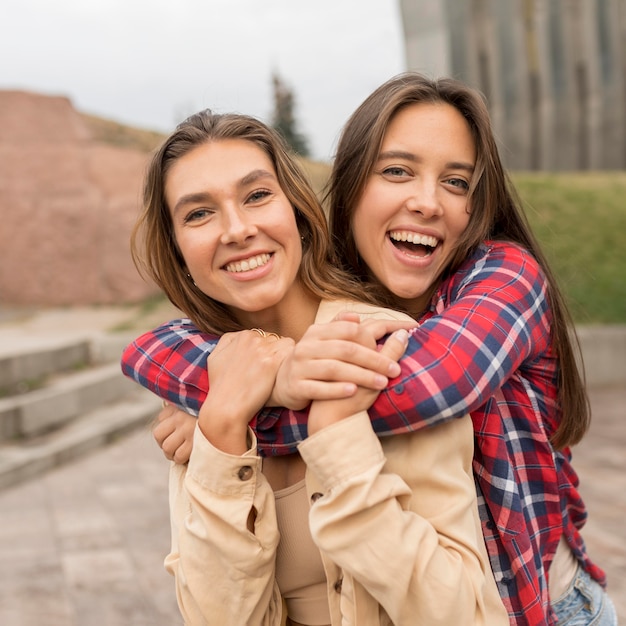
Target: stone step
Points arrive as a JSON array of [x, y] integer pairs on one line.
[[63, 398], [24, 364], [92, 429]]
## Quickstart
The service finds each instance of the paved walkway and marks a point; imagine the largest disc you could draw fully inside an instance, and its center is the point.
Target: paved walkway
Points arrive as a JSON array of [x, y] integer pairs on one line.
[[83, 545]]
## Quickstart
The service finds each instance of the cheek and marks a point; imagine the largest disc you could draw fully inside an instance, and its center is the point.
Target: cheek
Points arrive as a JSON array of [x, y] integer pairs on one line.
[[359, 234], [464, 220], [363, 221], [193, 249]]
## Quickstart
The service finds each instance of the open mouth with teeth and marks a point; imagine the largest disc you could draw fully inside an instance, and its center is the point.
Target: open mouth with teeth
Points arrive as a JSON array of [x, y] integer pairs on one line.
[[413, 243], [248, 264]]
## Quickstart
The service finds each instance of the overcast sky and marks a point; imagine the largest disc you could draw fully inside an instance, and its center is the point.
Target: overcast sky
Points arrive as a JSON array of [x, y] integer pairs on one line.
[[150, 63]]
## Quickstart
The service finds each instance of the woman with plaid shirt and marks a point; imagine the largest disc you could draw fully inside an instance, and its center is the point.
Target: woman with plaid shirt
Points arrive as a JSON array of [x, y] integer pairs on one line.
[[493, 340]]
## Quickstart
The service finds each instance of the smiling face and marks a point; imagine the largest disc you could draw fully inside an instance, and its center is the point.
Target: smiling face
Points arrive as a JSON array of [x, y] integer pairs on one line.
[[414, 206], [236, 230]]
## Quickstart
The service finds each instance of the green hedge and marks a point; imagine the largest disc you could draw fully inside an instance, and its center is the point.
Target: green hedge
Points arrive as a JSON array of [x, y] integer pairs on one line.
[[580, 219]]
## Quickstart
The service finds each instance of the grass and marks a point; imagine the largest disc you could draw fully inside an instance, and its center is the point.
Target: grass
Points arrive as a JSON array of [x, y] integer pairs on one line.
[[120, 135], [580, 220]]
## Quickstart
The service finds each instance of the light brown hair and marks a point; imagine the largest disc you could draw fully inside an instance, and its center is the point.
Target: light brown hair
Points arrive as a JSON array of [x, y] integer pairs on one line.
[[496, 214], [154, 249]]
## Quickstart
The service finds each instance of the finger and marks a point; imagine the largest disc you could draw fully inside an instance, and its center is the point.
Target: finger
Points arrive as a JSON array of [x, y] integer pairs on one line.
[[325, 390], [379, 328], [166, 412], [347, 316], [183, 453], [395, 345], [339, 329], [338, 371], [162, 430], [348, 352], [171, 444]]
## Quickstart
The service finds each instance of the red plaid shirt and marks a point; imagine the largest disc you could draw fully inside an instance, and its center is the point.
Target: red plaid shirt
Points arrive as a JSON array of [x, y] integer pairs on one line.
[[483, 348]]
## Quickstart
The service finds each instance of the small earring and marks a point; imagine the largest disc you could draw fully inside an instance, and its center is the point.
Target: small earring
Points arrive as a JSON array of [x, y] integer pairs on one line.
[[191, 279]]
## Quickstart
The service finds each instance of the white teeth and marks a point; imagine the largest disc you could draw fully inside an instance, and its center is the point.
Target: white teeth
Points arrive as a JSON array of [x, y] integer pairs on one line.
[[415, 238], [248, 264]]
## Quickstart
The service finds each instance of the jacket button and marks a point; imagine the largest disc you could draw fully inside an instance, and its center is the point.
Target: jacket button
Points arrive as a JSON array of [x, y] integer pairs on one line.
[[316, 496], [245, 472], [337, 585]]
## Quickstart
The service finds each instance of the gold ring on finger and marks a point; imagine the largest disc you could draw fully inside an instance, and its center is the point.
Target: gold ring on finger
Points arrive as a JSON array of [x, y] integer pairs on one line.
[[260, 331], [273, 335]]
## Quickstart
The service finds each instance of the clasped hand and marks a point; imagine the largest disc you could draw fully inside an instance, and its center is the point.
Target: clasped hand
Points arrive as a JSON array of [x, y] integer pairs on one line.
[[336, 361]]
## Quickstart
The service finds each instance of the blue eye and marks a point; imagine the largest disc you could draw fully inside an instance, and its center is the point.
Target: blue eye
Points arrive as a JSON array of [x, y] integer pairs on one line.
[[257, 196], [197, 214], [394, 171], [458, 182]]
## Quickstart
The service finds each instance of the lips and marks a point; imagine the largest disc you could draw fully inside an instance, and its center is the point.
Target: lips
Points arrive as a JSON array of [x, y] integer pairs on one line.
[[413, 243], [251, 263]]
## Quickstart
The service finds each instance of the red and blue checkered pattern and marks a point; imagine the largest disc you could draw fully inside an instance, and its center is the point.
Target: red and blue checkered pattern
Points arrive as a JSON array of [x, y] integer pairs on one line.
[[483, 348]]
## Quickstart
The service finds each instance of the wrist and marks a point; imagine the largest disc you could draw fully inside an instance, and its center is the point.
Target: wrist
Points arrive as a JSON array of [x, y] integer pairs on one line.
[[323, 413], [226, 432]]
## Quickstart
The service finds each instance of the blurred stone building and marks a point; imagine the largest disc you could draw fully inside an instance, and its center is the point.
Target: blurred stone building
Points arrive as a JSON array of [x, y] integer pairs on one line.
[[553, 73], [68, 202]]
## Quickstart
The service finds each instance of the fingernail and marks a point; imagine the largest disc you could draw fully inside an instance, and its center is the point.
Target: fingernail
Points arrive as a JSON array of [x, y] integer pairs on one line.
[[380, 381], [349, 390], [402, 335], [394, 370]]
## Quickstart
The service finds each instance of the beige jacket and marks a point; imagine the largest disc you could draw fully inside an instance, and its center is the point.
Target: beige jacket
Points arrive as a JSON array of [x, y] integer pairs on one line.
[[396, 520]]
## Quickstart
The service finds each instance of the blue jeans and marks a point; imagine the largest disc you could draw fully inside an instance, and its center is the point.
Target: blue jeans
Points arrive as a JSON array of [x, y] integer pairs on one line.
[[585, 603]]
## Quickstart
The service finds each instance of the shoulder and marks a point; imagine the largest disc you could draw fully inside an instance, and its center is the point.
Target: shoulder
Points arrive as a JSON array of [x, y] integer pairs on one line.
[[497, 270], [502, 260], [169, 337], [181, 328], [328, 309]]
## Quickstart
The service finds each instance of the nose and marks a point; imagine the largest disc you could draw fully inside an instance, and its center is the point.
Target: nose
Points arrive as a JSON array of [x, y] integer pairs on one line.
[[424, 199], [237, 226]]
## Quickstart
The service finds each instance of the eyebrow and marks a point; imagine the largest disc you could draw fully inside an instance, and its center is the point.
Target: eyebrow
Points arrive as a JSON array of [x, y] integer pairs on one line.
[[409, 156], [203, 196]]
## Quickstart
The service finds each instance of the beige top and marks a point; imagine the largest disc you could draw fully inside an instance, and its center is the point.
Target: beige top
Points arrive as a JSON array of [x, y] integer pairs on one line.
[[396, 521], [562, 570], [299, 569]]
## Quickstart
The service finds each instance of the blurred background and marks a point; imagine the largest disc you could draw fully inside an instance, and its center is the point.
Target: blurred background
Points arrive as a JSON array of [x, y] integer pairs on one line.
[[89, 89]]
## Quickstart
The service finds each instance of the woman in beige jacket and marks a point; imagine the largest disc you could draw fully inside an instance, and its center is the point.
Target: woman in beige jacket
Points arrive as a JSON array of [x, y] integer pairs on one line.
[[237, 240]]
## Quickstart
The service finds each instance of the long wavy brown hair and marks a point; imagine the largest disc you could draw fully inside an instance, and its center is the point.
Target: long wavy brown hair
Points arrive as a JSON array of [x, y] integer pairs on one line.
[[496, 214], [154, 249]]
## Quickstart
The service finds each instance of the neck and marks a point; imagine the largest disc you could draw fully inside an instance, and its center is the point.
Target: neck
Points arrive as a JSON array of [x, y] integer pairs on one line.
[[288, 319]]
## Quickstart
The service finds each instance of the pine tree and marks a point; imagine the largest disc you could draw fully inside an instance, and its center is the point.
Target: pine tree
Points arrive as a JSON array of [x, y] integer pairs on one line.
[[283, 119]]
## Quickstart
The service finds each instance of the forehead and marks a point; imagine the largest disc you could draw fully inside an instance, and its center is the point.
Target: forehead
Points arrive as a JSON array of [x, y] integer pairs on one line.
[[430, 125], [220, 158], [215, 165]]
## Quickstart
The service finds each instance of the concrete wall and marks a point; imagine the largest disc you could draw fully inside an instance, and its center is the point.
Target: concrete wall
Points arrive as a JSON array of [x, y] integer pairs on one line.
[[553, 71]]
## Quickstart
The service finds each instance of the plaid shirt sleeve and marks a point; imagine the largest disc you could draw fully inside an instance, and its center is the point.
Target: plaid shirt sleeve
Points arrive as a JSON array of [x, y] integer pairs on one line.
[[485, 322], [171, 361], [490, 317]]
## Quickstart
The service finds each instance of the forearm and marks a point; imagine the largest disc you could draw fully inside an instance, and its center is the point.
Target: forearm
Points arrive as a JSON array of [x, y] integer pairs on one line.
[[416, 549], [170, 361], [214, 553]]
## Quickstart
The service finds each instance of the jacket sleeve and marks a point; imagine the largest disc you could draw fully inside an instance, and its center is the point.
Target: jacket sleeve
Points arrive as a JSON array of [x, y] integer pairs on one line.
[[225, 573], [415, 545]]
